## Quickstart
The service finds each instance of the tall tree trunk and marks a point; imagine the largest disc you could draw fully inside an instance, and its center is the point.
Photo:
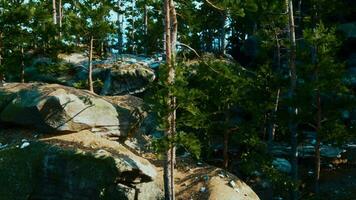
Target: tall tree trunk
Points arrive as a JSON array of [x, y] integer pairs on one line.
[[318, 103], [278, 48], [164, 37], [174, 38], [22, 76], [223, 34], [60, 10], [272, 126], [293, 111], [317, 145], [174, 30], [90, 69], [169, 161], [54, 11], [145, 26], [134, 48], [119, 28]]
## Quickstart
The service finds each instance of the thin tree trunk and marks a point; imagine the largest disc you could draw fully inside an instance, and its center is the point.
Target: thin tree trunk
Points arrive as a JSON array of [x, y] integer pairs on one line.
[[174, 29], [317, 146], [169, 163], [22, 76], [278, 46], [134, 48], [174, 34], [223, 34], [272, 126], [318, 103], [293, 110], [60, 10], [54, 11], [145, 26], [102, 49], [164, 37], [119, 28], [90, 70]]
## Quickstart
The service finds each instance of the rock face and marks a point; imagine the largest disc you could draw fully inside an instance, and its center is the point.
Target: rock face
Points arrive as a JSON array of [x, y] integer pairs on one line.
[[115, 75], [119, 75], [76, 166], [122, 78], [51, 108]]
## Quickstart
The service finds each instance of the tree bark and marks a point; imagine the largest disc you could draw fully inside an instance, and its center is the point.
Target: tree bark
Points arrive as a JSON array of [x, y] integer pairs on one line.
[[22, 76], [318, 103], [223, 34], [119, 29], [60, 10], [174, 29], [145, 26], [90, 70], [272, 126], [172, 74], [293, 111], [278, 46], [317, 145], [169, 161], [54, 11], [134, 48]]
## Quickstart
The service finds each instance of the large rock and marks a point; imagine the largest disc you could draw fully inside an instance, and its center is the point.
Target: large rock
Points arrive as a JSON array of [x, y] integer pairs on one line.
[[117, 74], [114, 75], [209, 183], [282, 165], [121, 78], [75, 166], [307, 150], [53, 107], [219, 189]]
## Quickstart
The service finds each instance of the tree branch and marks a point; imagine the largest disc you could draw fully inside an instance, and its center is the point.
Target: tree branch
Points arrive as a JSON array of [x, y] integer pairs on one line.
[[214, 6], [188, 47]]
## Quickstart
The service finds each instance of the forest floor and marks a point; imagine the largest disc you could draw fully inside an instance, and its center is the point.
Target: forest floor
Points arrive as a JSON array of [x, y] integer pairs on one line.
[[199, 181], [339, 184]]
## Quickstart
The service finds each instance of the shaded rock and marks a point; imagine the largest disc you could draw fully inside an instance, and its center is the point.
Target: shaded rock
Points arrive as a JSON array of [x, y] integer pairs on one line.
[[131, 169], [330, 152], [280, 150], [282, 165], [58, 108], [122, 79], [119, 74], [307, 150], [149, 191], [73, 167]]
